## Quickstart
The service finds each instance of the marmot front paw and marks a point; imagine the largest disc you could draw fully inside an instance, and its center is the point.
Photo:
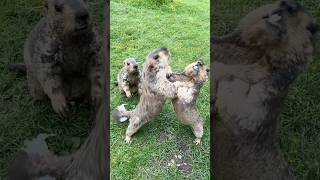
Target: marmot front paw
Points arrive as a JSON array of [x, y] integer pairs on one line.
[[128, 139]]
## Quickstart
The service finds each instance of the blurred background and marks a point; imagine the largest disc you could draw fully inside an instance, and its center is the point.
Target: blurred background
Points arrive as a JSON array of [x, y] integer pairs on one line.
[[20, 118], [299, 120]]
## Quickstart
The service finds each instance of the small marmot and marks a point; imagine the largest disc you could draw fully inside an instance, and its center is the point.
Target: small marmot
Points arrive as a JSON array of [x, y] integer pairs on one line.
[[129, 77]]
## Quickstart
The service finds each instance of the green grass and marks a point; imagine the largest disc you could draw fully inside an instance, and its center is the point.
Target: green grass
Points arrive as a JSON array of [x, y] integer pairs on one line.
[[137, 27], [20, 119], [299, 123]]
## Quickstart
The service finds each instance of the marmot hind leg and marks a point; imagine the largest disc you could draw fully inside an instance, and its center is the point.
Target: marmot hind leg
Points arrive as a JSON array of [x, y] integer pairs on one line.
[[196, 124], [134, 125], [197, 129]]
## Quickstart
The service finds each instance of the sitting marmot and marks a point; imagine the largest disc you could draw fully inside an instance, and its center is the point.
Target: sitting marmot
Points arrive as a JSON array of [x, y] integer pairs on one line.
[[129, 77]]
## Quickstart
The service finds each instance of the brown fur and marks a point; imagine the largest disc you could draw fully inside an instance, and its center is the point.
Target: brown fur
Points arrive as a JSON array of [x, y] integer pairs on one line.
[[253, 68], [156, 89], [185, 106], [60, 55], [129, 77]]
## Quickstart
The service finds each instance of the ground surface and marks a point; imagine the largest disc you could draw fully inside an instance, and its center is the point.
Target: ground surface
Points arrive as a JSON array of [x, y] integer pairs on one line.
[[20, 119], [299, 121], [137, 27]]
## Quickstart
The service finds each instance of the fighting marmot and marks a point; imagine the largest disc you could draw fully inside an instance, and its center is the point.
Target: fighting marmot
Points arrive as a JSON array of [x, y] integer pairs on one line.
[[253, 69], [156, 89], [189, 84], [60, 55], [129, 77]]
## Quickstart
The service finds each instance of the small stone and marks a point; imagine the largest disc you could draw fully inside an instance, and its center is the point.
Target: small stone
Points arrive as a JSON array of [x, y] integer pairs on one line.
[[179, 156]]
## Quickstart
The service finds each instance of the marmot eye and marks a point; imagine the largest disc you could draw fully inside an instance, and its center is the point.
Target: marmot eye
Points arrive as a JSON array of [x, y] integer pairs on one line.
[[156, 57], [58, 7], [208, 70], [128, 63]]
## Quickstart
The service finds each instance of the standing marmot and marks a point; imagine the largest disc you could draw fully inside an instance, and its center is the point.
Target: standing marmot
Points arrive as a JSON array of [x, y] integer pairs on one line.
[[129, 77], [61, 55], [188, 86]]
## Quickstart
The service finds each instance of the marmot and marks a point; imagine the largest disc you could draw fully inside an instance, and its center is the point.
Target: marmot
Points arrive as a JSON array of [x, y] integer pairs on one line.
[[188, 86], [129, 77], [253, 69], [90, 161], [61, 53]]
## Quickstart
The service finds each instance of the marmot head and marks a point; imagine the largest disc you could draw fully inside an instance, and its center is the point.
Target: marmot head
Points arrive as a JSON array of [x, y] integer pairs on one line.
[[197, 70], [278, 25], [157, 59], [67, 16], [131, 65]]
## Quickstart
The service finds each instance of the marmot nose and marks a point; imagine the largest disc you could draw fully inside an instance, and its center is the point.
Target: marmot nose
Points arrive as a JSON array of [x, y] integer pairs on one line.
[[135, 66]]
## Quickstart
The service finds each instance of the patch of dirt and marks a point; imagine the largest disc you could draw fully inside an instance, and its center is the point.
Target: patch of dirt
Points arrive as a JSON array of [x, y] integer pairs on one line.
[[182, 160], [166, 134]]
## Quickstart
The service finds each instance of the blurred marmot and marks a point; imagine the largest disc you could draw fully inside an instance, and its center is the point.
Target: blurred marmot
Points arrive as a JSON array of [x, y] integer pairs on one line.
[[253, 70], [61, 55]]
